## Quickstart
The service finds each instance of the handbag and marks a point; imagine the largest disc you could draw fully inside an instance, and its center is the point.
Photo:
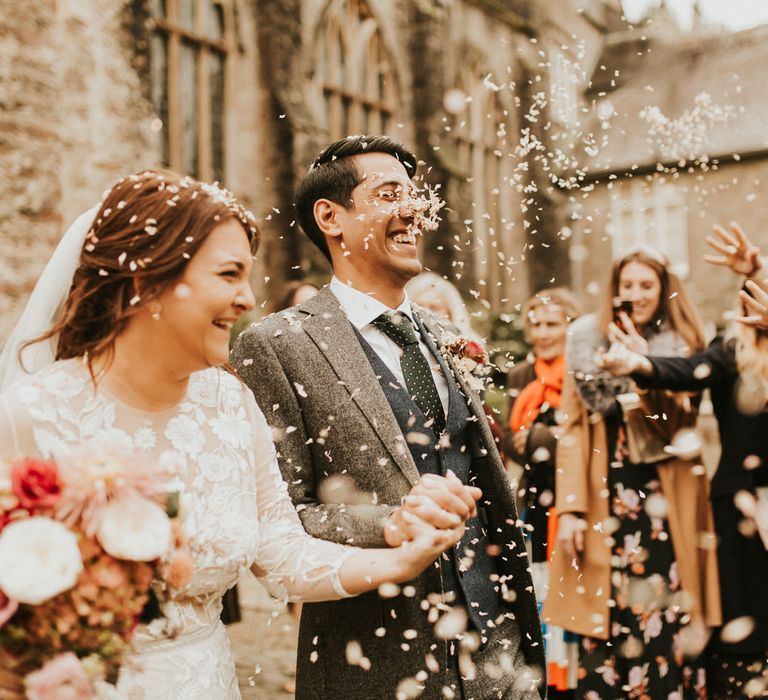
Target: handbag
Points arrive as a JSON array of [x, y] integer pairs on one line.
[[646, 440]]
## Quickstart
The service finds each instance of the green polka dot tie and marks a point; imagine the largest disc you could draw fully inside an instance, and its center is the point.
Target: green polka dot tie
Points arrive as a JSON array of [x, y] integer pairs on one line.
[[416, 370]]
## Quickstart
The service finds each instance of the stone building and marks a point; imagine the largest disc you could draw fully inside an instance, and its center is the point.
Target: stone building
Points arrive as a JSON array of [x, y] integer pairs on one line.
[[80, 105], [682, 145], [247, 91]]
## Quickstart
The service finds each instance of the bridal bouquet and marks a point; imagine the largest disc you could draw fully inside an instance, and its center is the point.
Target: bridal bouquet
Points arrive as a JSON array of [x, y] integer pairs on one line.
[[83, 547]]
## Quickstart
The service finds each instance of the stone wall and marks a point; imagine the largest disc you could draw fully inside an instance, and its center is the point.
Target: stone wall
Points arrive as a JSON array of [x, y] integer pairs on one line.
[[29, 159], [73, 120], [75, 116], [501, 49], [251, 138]]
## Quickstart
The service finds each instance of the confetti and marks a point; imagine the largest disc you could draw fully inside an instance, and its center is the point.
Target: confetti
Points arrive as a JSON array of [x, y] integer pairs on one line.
[[737, 630]]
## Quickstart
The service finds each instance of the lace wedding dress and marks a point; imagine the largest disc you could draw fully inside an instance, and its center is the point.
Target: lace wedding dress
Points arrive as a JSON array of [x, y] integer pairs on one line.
[[236, 508]]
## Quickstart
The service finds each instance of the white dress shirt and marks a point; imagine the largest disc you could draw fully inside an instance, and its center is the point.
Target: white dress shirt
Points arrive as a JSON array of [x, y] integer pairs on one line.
[[361, 310]]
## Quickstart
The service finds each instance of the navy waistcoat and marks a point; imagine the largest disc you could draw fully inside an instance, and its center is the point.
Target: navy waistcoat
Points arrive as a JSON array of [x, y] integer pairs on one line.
[[469, 571]]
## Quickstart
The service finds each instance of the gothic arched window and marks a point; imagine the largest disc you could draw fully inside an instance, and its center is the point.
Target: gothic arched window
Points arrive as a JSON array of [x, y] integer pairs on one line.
[[355, 83], [189, 47]]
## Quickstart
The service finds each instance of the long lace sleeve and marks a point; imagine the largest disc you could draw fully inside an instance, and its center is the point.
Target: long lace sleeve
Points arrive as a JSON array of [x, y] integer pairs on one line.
[[290, 563]]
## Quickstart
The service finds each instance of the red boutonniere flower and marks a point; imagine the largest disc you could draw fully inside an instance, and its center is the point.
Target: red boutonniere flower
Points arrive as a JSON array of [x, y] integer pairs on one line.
[[473, 351], [464, 349], [35, 482], [469, 358]]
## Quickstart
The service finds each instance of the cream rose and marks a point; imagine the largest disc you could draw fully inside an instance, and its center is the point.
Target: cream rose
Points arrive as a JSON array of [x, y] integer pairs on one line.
[[39, 558], [134, 528]]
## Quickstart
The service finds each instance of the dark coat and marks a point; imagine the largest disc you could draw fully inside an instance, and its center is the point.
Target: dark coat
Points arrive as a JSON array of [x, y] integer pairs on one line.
[[537, 484], [743, 561], [311, 377]]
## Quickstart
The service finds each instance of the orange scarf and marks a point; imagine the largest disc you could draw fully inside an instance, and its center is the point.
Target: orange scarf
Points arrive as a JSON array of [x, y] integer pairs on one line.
[[546, 388]]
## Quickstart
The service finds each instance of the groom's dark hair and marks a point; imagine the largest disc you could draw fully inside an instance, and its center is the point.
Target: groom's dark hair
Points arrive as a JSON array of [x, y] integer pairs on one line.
[[333, 175]]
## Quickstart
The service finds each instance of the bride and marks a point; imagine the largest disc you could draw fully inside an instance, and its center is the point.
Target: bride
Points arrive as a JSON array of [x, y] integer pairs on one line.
[[156, 279]]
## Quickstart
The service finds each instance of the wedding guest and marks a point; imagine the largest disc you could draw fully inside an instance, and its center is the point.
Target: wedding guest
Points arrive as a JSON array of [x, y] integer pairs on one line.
[[443, 299], [292, 293], [153, 281], [629, 574], [735, 369], [534, 387]]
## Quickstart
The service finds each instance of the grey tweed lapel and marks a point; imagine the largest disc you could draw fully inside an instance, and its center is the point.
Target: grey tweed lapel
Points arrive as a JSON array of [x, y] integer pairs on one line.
[[329, 328], [435, 333]]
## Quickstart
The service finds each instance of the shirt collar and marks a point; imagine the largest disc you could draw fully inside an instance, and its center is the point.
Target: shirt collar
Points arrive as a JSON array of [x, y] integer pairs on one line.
[[360, 308]]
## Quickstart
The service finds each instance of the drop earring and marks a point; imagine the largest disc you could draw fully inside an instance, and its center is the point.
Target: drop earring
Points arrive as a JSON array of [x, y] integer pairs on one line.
[[156, 308]]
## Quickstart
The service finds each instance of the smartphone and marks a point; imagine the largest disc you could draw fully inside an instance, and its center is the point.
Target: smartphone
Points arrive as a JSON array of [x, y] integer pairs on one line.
[[620, 305]]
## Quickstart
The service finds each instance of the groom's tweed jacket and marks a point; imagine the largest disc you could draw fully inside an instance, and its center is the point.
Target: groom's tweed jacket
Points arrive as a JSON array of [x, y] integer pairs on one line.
[[317, 388]]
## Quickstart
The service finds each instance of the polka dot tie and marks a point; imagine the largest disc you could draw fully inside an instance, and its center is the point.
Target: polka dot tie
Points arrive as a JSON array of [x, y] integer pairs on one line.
[[416, 370]]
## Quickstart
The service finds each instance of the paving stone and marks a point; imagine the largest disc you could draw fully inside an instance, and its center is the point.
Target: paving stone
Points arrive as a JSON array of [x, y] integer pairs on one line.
[[263, 643]]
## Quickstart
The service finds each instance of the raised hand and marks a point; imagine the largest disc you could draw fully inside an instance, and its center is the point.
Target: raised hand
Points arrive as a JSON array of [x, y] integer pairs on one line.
[[627, 336], [443, 502], [735, 250], [620, 361], [755, 300]]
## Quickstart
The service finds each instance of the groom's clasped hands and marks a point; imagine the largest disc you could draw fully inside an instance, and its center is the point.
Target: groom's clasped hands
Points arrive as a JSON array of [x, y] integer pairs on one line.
[[436, 506]]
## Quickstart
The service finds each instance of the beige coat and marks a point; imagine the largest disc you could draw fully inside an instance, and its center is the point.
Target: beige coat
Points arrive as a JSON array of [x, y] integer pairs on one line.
[[578, 598]]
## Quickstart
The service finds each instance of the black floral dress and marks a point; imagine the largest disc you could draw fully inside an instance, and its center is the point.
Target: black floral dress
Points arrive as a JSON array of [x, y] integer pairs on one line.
[[640, 659]]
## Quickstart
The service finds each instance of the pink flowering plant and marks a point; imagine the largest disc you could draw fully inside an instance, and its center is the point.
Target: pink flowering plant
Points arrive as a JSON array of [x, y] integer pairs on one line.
[[84, 547]]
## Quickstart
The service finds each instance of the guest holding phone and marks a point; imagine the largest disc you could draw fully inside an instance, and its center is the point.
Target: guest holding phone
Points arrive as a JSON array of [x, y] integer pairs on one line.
[[628, 573], [735, 369]]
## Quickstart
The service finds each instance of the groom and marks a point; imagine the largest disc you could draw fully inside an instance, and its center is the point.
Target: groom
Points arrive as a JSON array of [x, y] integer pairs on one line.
[[373, 419]]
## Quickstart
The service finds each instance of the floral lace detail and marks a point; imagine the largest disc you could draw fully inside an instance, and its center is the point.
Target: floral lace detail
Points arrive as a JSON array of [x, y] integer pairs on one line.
[[234, 505]]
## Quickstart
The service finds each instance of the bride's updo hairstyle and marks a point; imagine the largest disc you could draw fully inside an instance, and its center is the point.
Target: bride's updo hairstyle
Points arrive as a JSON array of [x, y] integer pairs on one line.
[[149, 226]]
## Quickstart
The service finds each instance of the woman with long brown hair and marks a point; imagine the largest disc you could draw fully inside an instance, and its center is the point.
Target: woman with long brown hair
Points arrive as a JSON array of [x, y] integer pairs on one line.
[[629, 574], [160, 276], [735, 369]]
